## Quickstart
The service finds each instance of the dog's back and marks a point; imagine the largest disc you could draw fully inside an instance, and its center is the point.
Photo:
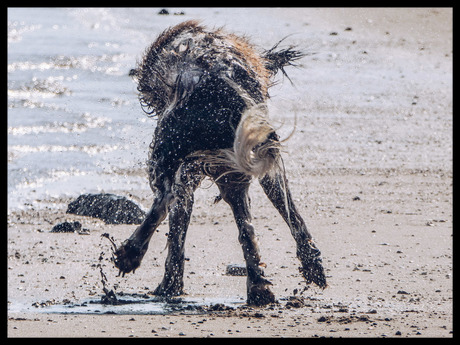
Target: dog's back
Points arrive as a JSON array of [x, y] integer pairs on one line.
[[185, 55], [200, 84]]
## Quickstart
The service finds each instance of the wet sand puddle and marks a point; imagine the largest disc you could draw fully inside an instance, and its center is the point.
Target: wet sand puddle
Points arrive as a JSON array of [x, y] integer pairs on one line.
[[136, 304], [111, 302]]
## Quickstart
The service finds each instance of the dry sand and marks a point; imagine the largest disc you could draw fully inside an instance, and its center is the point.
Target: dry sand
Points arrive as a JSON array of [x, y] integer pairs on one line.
[[375, 191]]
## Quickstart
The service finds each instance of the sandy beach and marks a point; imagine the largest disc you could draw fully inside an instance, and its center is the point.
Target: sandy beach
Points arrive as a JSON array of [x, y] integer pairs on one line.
[[370, 168]]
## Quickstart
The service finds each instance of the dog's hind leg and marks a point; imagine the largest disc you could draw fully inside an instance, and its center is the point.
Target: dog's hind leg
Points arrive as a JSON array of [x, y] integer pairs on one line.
[[235, 193], [188, 178], [276, 188]]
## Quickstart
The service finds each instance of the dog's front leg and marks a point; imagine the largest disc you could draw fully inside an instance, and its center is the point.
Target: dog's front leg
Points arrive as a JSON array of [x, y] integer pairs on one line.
[[129, 255]]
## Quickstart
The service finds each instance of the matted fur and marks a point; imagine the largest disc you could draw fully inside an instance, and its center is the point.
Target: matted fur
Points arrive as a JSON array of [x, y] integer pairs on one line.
[[208, 90], [255, 151]]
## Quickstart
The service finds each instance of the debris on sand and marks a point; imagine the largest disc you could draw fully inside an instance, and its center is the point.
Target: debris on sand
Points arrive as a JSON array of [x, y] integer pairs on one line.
[[236, 270], [111, 208], [109, 297], [67, 227]]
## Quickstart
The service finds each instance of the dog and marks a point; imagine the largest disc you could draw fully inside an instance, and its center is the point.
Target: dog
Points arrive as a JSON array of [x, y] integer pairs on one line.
[[208, 90]]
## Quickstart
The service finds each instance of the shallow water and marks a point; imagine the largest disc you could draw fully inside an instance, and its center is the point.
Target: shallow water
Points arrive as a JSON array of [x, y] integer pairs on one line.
[[70, 104], [135, 305], [74, 121]]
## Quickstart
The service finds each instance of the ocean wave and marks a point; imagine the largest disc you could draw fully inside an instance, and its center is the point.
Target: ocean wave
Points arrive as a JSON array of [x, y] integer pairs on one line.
[[16, 29], [32, 104], [17, 151], [106, 63], [45, 88], [89, 149], [62, 127], [53, 176]]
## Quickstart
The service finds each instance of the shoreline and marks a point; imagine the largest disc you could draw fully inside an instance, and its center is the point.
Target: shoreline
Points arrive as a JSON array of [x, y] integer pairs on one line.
[[370, 168]]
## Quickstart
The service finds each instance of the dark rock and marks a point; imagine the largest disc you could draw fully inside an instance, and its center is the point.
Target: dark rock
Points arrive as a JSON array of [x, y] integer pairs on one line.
[[112, 209], [67, 227], [236, 270], [402, 292]]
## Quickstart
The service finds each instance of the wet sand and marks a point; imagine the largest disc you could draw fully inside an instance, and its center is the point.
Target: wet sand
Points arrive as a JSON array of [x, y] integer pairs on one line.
[[375, 191]]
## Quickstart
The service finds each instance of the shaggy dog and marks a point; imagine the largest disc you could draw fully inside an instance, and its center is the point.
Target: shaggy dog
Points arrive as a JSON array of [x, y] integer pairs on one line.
[[208, 90]]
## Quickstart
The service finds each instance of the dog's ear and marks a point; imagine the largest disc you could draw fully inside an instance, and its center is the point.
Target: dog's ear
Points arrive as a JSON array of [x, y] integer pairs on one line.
[[133, 73]]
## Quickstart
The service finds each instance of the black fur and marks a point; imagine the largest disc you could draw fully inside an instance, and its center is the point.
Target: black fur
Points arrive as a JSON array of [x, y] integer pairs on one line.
[[201, 85]]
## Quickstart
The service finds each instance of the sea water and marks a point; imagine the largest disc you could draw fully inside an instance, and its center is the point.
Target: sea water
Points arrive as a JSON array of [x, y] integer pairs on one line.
[[74, 122]]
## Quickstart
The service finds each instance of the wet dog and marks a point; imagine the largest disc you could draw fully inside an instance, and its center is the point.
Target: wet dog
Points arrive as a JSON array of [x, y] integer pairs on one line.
[[208, 89]]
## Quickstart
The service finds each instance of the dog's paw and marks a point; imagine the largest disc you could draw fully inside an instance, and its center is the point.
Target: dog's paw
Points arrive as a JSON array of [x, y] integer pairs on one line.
[[127, 258], [260, 295], [314, 273], [312, 265], [169, 287]]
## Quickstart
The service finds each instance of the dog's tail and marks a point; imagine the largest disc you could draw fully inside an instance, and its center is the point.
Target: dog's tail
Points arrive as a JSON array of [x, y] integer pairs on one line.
[[256, 146], [255, 151], [276, 59]]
